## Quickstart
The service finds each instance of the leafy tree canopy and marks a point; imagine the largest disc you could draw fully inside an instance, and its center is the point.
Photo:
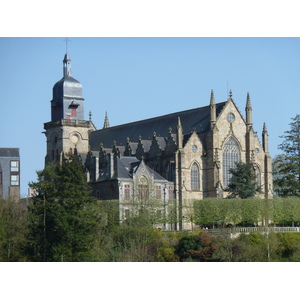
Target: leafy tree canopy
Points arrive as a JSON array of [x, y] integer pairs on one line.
[[286, 167], [196, 247], [242, 183], [61, 219]]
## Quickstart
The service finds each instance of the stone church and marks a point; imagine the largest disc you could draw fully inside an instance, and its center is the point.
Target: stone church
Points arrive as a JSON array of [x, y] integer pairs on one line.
[[174, 158]]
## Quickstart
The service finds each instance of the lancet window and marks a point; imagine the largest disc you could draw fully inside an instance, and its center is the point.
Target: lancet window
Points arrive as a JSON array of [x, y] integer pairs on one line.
[[195, 177], [258, 176], [231, 155]]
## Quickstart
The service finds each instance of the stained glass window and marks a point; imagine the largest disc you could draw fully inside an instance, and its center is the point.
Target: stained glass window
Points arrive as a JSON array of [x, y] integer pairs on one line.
[[231, 155], [195, 177]]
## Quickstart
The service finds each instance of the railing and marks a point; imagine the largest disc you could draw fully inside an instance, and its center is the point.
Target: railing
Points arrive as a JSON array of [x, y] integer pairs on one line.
[[74, 122], [68, 122], [235, 230]]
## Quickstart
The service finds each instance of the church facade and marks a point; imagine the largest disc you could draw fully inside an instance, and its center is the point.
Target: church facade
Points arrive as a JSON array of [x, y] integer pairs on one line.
[[164, 162]]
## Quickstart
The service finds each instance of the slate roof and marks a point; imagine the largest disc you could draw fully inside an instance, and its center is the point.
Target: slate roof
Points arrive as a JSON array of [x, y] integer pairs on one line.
[[9, 152], [156, 176], [127, 165], [197, 118], [67, 87], [124, 166]]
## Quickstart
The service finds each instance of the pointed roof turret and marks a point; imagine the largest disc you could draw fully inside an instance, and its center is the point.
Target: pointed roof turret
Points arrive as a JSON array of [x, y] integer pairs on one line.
[[67, 86], [66, 95], [67, 65], [106, 121]]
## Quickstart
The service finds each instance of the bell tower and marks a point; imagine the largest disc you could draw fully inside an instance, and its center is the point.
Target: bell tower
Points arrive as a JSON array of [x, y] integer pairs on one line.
[[67, 129], [67, 102]]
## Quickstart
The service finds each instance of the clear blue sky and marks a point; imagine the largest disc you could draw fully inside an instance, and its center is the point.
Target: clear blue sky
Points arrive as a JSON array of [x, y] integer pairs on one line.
[[137, 78]]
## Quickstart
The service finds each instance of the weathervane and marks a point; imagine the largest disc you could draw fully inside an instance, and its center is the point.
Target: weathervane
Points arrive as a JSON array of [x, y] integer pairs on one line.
[[66, 40]]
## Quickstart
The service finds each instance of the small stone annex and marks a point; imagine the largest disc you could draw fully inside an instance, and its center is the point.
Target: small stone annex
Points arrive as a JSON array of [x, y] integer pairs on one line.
[[164, 162]]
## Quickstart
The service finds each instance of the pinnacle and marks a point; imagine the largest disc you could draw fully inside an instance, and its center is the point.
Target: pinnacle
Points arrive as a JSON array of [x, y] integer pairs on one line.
[[248, 103], [179, 122], [265, 127], [212, 98], [106, 121]]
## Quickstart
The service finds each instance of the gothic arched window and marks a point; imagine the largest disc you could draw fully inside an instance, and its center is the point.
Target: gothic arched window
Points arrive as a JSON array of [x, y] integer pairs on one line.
[[195, 178], [171, 172], [143, 189], [258, 176], [231, 155]]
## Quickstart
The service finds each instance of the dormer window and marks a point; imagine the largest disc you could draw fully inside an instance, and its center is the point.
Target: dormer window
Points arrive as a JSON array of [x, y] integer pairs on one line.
[[73, 104], [73, 107]]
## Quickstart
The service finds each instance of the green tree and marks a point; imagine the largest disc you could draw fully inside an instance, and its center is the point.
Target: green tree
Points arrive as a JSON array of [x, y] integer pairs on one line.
[[62, 221], [13, 230], [287, 165], [207, 212], [133, 240], [290, 246], [286, 211], [243, 181], [197, 247], [249, 212]]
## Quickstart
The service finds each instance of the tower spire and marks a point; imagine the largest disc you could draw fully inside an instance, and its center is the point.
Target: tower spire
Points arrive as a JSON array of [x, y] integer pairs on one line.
[[106, 121]]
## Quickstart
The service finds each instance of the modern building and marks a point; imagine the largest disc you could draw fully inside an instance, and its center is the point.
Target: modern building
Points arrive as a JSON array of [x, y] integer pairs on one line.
[[10, 173], [174, 158]]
